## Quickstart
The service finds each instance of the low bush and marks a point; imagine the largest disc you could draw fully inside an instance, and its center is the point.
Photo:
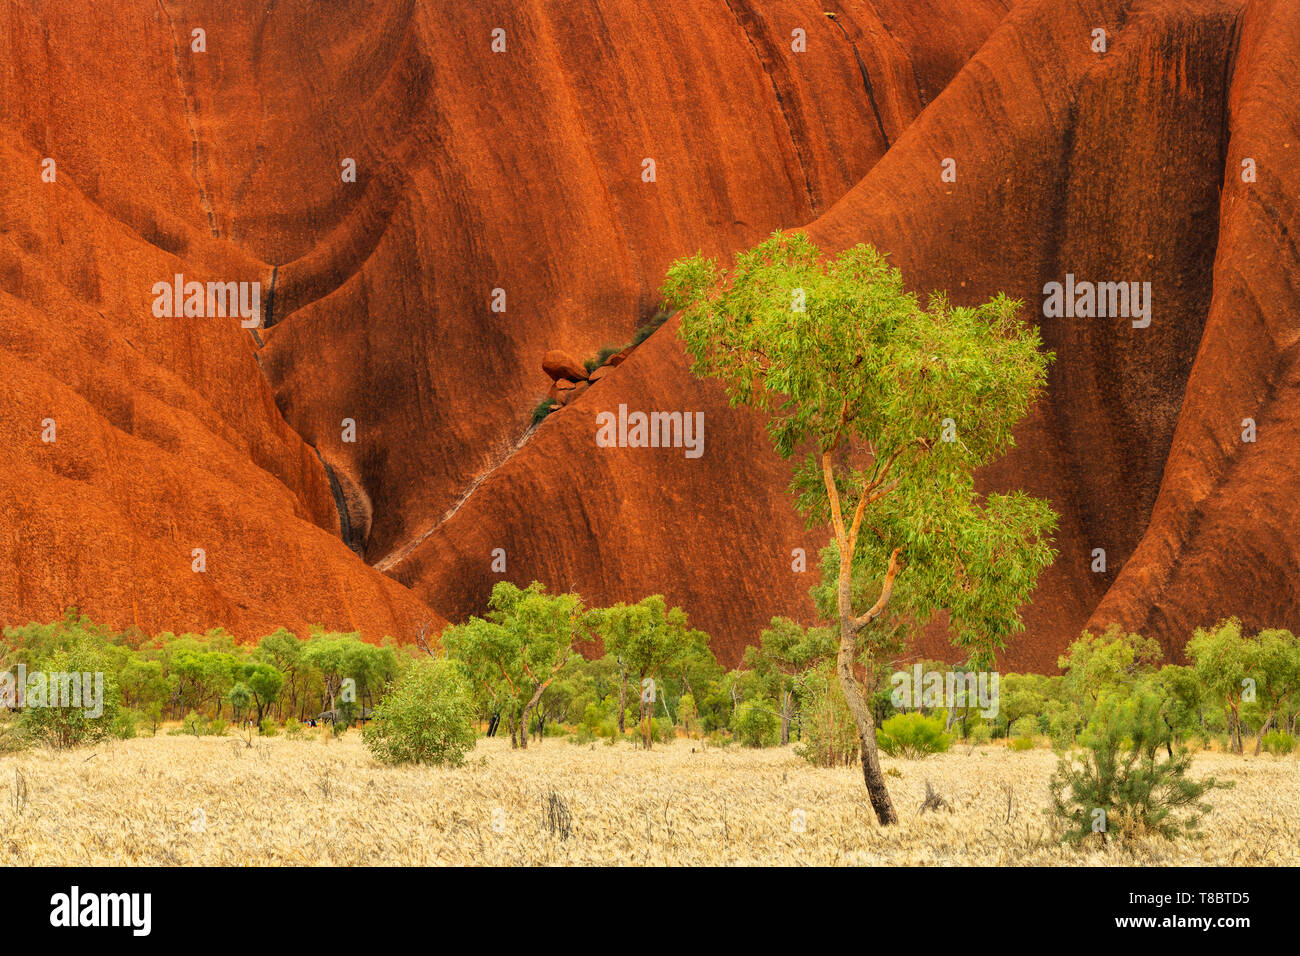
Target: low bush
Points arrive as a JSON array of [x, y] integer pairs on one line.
[[649, 329], [756, 725], [980, 733], [1061, 731], [544, 408], [1024, 727], [1278, 743], [663, 730], [1021, 734], [1121, 788], [828, 736], [426, 717], [602, 357], [913, 735], [124, 724], [583, 735], [72, 713]]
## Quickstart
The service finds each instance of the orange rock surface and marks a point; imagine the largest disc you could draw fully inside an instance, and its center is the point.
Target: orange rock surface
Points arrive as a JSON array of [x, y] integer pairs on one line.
[[358, 459]]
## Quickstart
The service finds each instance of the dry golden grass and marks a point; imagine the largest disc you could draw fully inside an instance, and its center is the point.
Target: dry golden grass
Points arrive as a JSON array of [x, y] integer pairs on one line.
[[187, 801]]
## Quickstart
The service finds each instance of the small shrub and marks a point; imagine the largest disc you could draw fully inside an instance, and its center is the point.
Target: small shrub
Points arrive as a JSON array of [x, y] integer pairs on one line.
[[592, 715], [13, 737], [544, 408], [583, 735], [1061, 731], [293, 728], [663, 730], [124, 724], [1278, 743], [649, 329], [268, 727], [980, 733], [913, 735], [1024, 727], [427, 717], [63, 717], [1121, 788], [828, 736], [756, 725], [602, 357], [218, 727], [1021, 734]]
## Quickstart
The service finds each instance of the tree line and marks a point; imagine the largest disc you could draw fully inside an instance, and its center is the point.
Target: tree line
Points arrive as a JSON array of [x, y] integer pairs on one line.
[[540, 664]]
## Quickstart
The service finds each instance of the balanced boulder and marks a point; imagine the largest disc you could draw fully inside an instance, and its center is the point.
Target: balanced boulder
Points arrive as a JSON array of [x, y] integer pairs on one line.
[[559, 364]]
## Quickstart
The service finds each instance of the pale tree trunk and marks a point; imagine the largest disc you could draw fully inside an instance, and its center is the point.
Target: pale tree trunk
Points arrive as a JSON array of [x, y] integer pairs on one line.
[[532, 702], [856, 698], [541, 689], [1259, 739], [785, 717], [622, 698], [854, 694], [646, 714]]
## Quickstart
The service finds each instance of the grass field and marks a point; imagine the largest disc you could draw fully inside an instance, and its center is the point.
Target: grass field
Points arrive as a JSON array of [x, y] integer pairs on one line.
[[213, 800]]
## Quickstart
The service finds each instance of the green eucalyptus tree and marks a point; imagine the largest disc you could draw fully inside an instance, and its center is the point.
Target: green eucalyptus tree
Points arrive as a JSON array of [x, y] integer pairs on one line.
[[896, 406], [1236, 668], [785, 651], [264, 683], [283, 650], [1279, 664], [515, 653], [648, 639]]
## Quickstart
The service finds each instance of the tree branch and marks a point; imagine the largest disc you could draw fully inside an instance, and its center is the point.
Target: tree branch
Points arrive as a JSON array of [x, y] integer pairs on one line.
[[882, 473], [422, 639], [879, 607], [837, 517], [865, 500]]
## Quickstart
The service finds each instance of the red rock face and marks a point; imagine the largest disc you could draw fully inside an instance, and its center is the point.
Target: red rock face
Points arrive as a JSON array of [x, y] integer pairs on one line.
[[508, 203], [1222, 538], [1107, 167], [165, 434]]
